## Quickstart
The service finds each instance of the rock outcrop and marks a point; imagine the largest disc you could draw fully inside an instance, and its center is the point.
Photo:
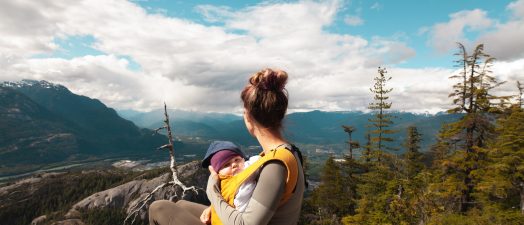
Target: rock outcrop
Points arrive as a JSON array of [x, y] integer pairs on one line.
[[126, 195]]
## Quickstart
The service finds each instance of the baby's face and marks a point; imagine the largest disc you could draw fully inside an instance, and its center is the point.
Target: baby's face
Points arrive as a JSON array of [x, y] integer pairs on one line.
[[233, 166]]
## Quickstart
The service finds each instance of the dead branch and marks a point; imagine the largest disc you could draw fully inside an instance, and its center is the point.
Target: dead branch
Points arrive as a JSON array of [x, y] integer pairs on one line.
[[135, 209]]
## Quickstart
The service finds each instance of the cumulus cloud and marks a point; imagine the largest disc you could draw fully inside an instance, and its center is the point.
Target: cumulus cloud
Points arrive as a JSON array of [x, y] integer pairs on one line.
[[388, 51], [199, 67], [444, 36], [25, 29], [504, 42], [517, 9], [500, 38]]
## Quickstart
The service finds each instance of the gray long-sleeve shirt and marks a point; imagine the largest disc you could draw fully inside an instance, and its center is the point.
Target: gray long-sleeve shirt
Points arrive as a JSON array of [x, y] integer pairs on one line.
[[263, 207]]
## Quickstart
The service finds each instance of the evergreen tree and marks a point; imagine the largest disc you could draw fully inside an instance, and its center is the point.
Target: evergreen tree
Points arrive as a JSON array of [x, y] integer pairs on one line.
[[367, 148], [472, 97], [351, 168], [382, 120], [330, 197], [460, 90], [413, 157], [374, 190], [503, 178], [379, 183], [444, 145]]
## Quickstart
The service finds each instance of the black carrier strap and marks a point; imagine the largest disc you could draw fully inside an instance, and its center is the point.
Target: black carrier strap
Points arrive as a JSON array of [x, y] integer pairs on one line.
[[292, 148]]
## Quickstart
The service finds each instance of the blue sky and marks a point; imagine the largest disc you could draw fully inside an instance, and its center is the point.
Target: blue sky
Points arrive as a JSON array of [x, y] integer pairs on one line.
[[197, 55], [403, 19]]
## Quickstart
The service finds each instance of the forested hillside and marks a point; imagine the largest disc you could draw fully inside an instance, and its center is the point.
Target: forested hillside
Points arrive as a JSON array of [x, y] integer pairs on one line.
[[42, 123], [473, 174]]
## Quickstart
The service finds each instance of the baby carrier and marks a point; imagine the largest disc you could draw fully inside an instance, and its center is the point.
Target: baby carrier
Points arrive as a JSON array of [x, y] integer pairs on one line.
[[231, 184]]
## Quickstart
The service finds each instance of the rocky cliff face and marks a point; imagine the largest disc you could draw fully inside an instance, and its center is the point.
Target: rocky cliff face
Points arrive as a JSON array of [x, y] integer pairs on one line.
[[131, 193], [38, 196]]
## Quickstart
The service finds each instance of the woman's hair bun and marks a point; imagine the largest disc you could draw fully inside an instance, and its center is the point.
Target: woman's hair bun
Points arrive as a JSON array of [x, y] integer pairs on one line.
[[269, 80]]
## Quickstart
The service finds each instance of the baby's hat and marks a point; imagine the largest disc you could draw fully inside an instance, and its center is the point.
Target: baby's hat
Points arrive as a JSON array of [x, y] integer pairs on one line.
[[217, 146], [219, 159]]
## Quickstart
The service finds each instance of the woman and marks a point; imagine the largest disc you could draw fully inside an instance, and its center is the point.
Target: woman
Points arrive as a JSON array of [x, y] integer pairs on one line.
[[265, 104]]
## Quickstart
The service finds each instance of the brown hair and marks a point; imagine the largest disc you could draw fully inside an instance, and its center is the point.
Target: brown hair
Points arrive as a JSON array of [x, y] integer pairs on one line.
[[265, 97]]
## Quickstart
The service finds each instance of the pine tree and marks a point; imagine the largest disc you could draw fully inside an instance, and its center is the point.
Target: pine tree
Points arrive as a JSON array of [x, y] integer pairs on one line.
[[330, 196], [503, 179], [445, 145], [473, 98], [374, 190], [367, 149], [460, 90], [351, 168], [382, 120], [413, 157], [379, 183]]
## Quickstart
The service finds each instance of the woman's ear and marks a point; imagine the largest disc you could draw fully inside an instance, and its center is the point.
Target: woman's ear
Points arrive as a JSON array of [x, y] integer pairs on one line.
[[248, 120]]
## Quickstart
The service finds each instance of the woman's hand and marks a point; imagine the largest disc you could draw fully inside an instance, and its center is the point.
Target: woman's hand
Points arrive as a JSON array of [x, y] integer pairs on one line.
[[206, 216], [213, 184], [214, 174]]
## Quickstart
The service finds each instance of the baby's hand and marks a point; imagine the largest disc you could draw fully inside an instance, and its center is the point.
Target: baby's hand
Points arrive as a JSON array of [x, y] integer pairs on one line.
[[206, 216]]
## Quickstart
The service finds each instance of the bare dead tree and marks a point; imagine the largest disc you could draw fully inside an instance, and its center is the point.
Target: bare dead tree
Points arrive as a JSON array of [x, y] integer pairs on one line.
[[519, 96], [352, 144], [135, 209]]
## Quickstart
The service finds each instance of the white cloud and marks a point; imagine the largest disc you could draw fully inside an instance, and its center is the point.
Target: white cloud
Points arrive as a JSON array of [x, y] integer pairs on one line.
[[501, 39], [353, 20], [444, 36], [198, 67], [272, 22], [517, 9], [511, 72], [505, 41], [388, 51]]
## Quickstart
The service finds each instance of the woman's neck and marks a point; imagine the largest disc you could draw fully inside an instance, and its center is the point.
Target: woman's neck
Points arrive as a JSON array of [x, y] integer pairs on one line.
[[269, 139]]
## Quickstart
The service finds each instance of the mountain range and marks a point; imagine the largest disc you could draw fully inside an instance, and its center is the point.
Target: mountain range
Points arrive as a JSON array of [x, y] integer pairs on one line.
[[312, 128], [43, 123]]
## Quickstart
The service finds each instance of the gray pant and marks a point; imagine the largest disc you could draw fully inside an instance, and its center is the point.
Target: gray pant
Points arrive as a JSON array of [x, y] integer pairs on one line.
[[163, 212]]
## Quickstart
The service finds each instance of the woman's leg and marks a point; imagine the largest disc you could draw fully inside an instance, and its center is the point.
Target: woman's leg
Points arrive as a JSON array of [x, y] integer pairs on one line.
[[164, 212]]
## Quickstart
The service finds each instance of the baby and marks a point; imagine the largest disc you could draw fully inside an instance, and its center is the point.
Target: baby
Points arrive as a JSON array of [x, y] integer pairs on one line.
[[228, 160]]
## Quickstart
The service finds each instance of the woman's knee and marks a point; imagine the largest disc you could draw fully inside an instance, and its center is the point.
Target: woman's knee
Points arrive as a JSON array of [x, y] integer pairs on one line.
[[183, 203], [158, 206]]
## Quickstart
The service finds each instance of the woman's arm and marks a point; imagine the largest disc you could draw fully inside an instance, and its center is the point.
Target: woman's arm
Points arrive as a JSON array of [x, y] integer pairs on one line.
[[263, 203]]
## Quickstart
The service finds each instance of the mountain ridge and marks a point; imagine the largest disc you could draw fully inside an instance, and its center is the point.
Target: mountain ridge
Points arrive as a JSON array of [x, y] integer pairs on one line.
[[73, 127], [44, 123], [313, 127]]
